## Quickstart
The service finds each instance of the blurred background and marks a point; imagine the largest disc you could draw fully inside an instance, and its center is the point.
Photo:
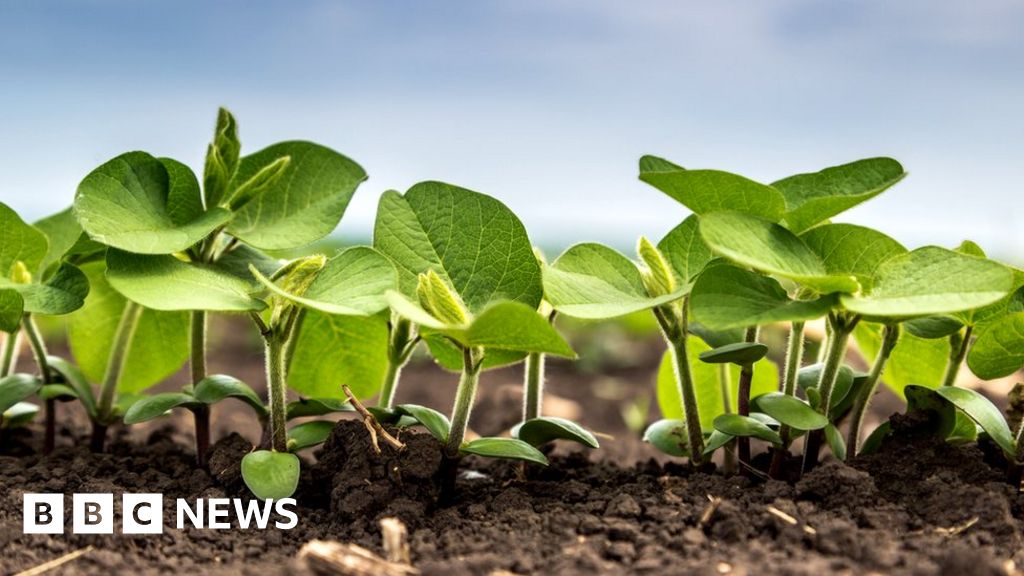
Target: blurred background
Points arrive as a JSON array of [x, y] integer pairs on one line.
[[546, 104]]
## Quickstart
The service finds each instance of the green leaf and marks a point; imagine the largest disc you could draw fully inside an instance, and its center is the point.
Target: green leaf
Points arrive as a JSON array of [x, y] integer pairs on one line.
[[164, 282], [449, 356], [62, 293], [933, 326], [728, 297], [596, 282], [309, 434], [221, 158], [789, 410], [15, 388], [668, 436], [61, 392], [157, 350], [158, 405], [12, 309], [19, 415], [808, 378], [304, 204], [304, 407], [19, 243], [685, 250], [540, 431], [435, 422], [704, 191], [914, 360], [128, 203], [816, 197], [352, 283], [874, 440], [335, 350], [835, 442], [984, 413], [931, 280], [849, 250], [217, 387], [63, 232], [474, 242], [508, 448], [716, 440], [708, 384], [745, 426], [921, 399], [999, 349], [271, 475], [73, 377], [515, 326], [739, 353], [769, 248]]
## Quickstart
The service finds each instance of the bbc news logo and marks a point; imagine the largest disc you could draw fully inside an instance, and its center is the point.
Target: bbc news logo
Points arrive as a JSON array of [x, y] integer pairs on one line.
[[144, 514]]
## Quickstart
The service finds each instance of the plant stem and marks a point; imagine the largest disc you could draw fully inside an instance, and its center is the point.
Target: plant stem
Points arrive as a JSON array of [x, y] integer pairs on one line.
[[533, 397], [840, 335], [276, 390], [197, 368], [890, 336], [38, 346], [959, 344], [10, 354], [115, 364], [674, 328], [464, 397], [794, 358], [401, 343], [743, 403], [725, 383]]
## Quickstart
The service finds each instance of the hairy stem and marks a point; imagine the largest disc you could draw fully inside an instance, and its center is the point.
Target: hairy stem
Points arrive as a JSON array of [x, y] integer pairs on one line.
[[533, 394], [400, 346], [794, 358], [12, 343], [959, 344], [39, 352], [197, 368], [890, 336], [725, 383], [840, 335], [115, 364], [743, 403], [277, 390], [674, 328], [464, 397]]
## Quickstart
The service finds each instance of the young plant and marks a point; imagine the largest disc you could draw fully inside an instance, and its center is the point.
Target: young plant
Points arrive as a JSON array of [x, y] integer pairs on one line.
[[179, 246]]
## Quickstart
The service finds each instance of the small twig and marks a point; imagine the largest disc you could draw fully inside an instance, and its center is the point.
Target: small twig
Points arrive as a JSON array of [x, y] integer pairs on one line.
[[956, 530], [47, 566], [395, 539], [335, 559], [713, 503], [789, 519], [371, 423]]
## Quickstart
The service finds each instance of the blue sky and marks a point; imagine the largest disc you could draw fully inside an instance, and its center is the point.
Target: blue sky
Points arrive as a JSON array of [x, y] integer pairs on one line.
[[546, 104]]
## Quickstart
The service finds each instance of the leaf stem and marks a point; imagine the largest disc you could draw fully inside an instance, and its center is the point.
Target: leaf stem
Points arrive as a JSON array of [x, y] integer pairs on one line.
[[401, 343], [841, 327], [890, 336], [743, 403], [118, 356], [464, 397], [533, 386], [277, 390], [794, 359], [39, 353], [12, 343], [959, 344], [197, 368], [674, 328]]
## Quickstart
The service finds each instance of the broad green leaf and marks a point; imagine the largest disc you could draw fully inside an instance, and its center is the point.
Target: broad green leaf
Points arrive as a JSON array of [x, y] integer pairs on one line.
[[685, 250], [309, 434], [134, 203], [63, 292], [596, 282], [474, 242], [708, 384], [19, 415], [435, 422], [933, 326], [449, 356], [668, 436], [63, 232], [15, 388], [217, 387], [836, 443], [304, 204], [739, 353], [769, 248], [728, 297], [704, 191], [351, 283], [847, 249], [163, 282], [515, 326], [745, 426], [984, 413], [931, 280], [304, 407], [790, 410], [19, 242], [540, 431], [999, 349], [914, 360], [157, 350], [335, 350], [158, 405], [816, 197], [61, 392], [508, 448], [271, 475], [12, 309]]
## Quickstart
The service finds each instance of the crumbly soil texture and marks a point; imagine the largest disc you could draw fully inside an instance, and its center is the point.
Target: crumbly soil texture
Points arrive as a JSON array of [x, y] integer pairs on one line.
[[915, 507]]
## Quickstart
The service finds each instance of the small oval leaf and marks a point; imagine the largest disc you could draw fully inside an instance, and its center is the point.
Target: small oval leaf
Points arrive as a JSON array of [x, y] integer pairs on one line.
[[509, 448], [984, 413], [217, 387], [309, 434], [736, 425], [151, 407], [716, 440], [835, 442], [316, 407], [271, 475], [19, 415], [540, 431], [668, 436], [15, 388], [61, 392], [435, 422], [739, 353], [790, 410]]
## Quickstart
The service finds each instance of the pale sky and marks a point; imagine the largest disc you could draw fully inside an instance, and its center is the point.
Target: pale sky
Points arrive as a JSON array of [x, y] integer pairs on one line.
[[545, 104]]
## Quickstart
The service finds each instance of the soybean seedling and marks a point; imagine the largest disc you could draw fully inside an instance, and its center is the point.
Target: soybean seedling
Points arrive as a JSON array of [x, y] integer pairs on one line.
[[178, 246]]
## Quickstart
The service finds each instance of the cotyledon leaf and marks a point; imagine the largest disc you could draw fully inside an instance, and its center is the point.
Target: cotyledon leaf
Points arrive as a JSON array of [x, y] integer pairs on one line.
[[816, 197], [984, 413], [704, 191], [848, 249], [133, 202], [471, 240], [999, 349], [509, 448], [772, 249], [726, 297], [304, 204]]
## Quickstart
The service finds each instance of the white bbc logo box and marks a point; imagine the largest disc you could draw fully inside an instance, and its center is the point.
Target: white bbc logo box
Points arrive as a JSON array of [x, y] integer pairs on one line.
[[93, 514]]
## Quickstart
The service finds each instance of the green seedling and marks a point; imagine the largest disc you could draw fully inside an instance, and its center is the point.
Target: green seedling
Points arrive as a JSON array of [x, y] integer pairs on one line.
[[176, 245]]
